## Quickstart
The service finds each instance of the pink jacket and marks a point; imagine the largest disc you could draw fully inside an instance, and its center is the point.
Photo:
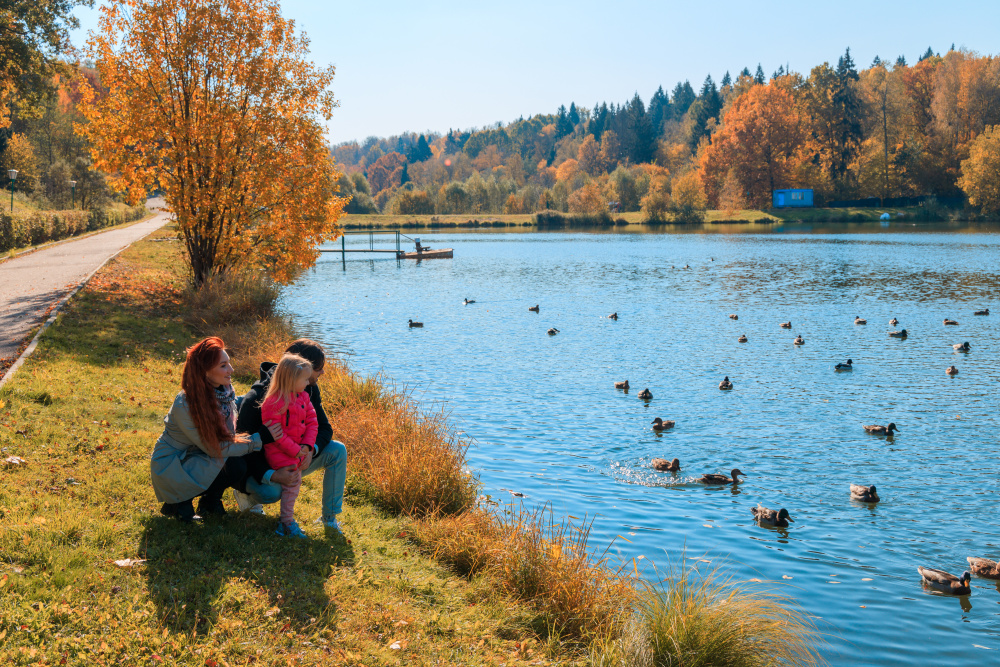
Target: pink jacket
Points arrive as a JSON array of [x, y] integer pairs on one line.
[[299, 424]]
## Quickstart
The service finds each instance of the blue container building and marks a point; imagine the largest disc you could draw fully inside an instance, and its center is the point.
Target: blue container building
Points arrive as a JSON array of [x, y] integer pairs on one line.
[[794, 198]]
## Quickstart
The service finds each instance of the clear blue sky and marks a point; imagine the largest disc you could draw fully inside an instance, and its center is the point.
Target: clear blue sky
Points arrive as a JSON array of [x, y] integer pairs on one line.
[[438, 65]]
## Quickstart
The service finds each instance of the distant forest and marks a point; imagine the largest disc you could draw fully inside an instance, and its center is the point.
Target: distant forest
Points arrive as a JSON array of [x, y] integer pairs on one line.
[[890, 130]]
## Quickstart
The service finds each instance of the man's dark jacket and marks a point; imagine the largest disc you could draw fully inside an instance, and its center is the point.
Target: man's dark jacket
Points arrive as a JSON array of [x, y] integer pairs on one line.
[[249, 420]]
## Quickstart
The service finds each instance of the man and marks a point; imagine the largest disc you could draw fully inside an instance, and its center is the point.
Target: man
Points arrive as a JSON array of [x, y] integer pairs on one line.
[[262, 485]]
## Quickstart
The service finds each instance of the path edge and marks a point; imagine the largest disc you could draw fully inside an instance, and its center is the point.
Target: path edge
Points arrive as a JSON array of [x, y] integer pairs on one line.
[[59, 306]]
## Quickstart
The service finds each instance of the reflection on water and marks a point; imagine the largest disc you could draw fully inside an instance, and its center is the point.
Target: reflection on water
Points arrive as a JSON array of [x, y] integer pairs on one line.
[[549, 423]]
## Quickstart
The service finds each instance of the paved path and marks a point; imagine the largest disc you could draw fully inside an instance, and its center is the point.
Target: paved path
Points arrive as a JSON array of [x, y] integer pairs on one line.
[[31, 283]]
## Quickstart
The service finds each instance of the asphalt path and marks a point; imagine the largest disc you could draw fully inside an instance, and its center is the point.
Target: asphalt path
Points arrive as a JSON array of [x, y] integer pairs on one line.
[[33, 282]]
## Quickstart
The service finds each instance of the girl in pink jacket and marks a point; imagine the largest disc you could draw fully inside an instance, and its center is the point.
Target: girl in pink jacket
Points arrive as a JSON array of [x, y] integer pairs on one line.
[[288, 404]]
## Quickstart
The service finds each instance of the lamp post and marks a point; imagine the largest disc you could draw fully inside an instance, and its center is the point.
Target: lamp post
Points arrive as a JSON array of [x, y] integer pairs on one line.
[[72, 184], [12, 173]]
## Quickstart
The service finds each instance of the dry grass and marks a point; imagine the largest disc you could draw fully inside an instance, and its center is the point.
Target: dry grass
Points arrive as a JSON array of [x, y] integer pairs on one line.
[[529, 556], [696, 620]]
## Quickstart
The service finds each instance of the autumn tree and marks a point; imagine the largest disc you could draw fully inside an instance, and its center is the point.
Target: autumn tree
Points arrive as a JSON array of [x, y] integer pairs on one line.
[[218, 105], [687, 200], [387, 172], [980, 178], [760, 142]]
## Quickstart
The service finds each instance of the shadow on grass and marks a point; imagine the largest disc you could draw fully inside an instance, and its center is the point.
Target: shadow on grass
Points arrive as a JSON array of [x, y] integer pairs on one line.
[[196, 571]]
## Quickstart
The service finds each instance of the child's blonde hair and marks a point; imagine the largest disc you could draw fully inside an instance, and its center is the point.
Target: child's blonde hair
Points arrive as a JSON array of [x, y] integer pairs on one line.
[[290, 369]]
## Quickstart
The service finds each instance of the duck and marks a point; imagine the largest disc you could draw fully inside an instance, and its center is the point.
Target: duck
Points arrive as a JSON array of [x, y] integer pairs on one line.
[[798, 340], [867, 494], [734, 316], [468, 301], [534, 309], [785, 325], [893, 322], [766, 517], [984, 567], [646, 394], [982, 312], [725, 385], [951, 370], [717, 479], [846, 366], [946, 582], [742, 338], [553, 331], [622, 385], [876, 429], [613, 316], [858, 320], [415, 324], [962, 347], [664, 465], [948, 322], [898, 334], [660, 425]]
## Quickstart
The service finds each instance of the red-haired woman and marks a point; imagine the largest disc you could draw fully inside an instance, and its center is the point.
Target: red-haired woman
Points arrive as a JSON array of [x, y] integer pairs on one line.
[[199, 452]]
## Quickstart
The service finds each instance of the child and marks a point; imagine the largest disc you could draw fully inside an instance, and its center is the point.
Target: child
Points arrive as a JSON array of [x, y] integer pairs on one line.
[[288, 404]]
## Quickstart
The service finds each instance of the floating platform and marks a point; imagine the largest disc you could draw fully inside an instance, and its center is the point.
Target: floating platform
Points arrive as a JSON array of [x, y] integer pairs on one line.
[[443, 253]]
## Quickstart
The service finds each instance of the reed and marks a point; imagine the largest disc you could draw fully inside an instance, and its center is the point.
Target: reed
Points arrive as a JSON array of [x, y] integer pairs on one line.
[[692, 619]]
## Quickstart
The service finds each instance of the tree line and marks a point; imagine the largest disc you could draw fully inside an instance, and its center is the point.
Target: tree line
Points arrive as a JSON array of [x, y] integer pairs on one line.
[[889, 130]]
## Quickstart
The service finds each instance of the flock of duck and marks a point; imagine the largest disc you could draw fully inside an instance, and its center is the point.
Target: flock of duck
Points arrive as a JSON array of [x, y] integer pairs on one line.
[[936, 579]]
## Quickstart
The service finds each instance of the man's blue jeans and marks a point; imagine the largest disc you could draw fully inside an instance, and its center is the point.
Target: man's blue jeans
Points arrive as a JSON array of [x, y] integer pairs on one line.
[[333, 460]]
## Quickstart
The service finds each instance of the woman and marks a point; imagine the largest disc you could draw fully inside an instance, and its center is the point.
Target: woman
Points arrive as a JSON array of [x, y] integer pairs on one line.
[[199, 452]]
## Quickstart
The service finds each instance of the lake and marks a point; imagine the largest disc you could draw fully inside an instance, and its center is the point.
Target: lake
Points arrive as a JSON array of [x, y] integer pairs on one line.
[[548, 422]]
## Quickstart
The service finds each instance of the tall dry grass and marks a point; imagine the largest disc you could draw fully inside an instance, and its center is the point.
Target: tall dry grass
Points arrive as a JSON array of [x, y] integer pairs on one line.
[[696, 620], [529, 556]]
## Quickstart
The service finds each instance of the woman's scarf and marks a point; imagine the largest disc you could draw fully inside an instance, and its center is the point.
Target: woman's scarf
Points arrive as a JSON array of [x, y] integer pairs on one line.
[[227, 399]]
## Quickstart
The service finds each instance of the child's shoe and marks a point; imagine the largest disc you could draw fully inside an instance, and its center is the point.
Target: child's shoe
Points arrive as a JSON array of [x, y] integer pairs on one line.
[[291, 530], [330, 523]]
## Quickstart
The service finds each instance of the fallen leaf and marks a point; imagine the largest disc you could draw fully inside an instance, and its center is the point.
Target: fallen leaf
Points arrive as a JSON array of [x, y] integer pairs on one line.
[[130, 562], [39, 520], [398, 645]]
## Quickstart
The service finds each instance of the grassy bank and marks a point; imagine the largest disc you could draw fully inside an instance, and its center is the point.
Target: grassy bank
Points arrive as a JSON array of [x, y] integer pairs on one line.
[[502, 221], [424, 574], [23, 230]]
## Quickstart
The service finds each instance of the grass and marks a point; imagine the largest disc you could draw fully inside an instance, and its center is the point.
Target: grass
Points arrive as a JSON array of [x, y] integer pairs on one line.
[[427, 572]]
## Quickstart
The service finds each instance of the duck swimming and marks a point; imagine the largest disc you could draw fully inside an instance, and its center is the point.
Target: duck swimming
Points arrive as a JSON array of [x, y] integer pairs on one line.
[[664, 465], [553, 331], [982, 312], [984, 567], [962, 347], [613, 316], [946, 583], [798, 340], [535, 309], [951, 370], [646, 394], [468, 301], [950, 322], [766, 517], [660, 425], [898, 334], [725, 385], [785, 325], [622, 385], [876, 429], [858, 320], [846, 366], [415, 324], [716, 479], [866, 494], [742, 338], [893, 322], [734, 316]]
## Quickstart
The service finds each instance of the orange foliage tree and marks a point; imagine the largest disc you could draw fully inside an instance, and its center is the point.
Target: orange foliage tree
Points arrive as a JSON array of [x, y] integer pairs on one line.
[[386, 172], [760, 142], [218, 105]]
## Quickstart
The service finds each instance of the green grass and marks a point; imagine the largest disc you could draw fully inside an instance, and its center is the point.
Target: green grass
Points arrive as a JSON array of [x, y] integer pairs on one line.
[[83, 413]]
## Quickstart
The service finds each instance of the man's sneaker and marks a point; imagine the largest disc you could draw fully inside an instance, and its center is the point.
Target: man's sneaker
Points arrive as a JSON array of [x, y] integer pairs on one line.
[[330, 523], [246, 504], [291, 530]]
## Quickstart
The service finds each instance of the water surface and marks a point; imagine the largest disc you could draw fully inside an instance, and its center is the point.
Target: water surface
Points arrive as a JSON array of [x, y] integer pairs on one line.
[[548, 422]]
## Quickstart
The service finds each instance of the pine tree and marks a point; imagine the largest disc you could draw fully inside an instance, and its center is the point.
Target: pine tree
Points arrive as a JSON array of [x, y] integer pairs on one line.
[[927, 54], [682, 98], [778, 72], [574, 115], [900, 61], [726, 80], [745, 72], [563, 126], [420, 151], [659, 110], [759, 76], [636, 135]]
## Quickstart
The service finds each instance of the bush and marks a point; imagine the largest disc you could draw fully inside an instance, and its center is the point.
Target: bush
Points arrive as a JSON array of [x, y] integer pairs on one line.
[[557, 219]]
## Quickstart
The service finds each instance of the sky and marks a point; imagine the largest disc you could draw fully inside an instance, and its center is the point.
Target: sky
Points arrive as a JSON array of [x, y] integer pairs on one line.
[[434, 66]]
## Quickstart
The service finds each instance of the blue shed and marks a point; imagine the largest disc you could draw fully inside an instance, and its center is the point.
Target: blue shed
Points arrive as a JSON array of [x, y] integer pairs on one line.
[[792, 198]]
